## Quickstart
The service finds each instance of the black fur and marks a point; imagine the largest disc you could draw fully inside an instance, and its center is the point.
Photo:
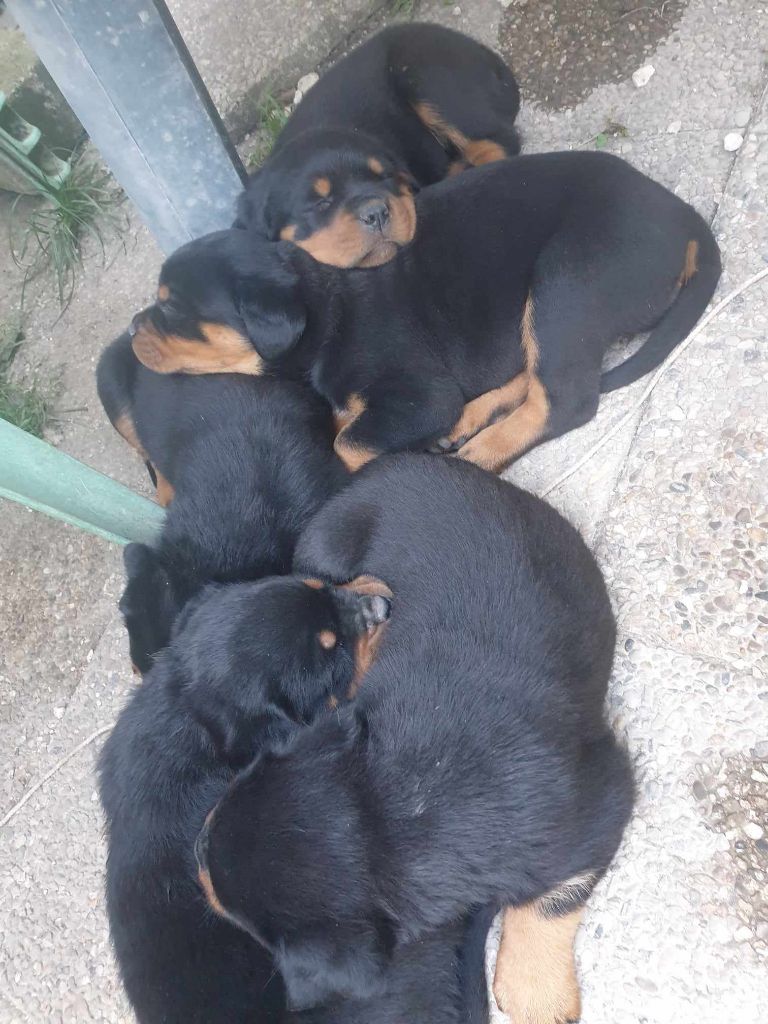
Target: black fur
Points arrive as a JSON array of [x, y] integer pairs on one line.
[[598, 247], [364, 106], [250, 460], [475, 767], [245, 667]]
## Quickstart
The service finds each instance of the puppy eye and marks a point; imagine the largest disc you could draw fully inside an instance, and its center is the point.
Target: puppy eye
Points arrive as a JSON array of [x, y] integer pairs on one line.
[[327, 639], [323, 204]]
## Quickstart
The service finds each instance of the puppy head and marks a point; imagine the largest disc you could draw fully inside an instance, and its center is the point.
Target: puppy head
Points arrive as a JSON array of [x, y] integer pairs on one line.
[[284, 856], [151, 601], [225, 304], [337, 195], [256, 657]]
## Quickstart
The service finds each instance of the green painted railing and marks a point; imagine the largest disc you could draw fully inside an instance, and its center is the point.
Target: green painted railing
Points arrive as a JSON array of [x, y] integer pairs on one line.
[[39, 476]]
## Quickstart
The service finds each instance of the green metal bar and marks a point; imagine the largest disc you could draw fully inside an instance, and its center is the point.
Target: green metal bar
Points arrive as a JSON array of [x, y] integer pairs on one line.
[[39, 476]]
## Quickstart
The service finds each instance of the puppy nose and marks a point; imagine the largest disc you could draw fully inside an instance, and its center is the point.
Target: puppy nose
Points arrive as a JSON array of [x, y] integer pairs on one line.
[[374, 610], [374, 214]]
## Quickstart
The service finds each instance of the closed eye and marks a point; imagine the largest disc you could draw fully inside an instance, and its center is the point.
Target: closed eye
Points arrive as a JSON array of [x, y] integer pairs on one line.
[[323, 204]]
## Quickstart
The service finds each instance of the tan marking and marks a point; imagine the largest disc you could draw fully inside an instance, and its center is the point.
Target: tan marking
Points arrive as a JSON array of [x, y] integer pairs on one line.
[[224, 350], [528, 339], [163, 489], [126, 428], [494, 447], [322, 187], [375, 165], [483, 410], [313, 583], [135, 669], [367, 644], [352, 455], [368, 586], [345, 242], [535, 981], [204, 878], [163, 293], [456, 167], [474, 151], [332, 703], [327, 639], [483, 151], [691, 264], [288, 233]]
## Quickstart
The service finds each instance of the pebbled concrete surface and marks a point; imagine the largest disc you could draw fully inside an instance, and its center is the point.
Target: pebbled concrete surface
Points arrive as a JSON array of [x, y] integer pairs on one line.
[[676, 506]]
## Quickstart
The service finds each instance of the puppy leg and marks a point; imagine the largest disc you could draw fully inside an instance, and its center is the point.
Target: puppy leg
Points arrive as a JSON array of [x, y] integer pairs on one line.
[[484, 410], [165, 491], [562, 365], [535, 980], [396, 415]]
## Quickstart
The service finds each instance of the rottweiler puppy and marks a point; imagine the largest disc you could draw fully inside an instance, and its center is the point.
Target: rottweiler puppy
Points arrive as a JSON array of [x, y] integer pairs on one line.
[[411, 105], [474, 768], [438, 979], [248, 664], [485, 336], [246, 461]]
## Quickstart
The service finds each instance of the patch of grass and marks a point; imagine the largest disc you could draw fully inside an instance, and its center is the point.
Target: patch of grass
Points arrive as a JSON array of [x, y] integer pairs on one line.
[[26, 404], [404, 7], [86, 205], [612, 130], [273, 116]]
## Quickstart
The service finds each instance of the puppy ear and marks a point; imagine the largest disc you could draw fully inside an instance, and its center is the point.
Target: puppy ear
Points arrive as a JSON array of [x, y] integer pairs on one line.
[[250, 208], [148, 605], [318, 970], [272, 310]]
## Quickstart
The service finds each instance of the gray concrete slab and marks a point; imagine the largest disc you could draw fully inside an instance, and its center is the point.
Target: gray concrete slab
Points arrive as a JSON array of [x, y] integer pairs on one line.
[[676, 932]]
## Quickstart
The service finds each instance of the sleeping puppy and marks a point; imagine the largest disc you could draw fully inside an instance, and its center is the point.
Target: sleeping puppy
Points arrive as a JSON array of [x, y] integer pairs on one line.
[[438, 979], [485, 336], [409, 106], [247, 462], [248, 664], [474, 768]]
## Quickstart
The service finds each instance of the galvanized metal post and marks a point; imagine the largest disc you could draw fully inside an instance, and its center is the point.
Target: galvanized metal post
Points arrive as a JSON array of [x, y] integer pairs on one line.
[[126, 73]]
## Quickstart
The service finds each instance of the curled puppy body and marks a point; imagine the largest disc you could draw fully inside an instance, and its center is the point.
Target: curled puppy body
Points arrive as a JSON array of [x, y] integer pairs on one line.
[[406, 108], [485, 336], [248, 664], [428, 982], [246, 461], [475, 767]]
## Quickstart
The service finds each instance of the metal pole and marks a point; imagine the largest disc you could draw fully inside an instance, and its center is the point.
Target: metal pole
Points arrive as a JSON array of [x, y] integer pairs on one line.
[[45, 479], [126, 73]]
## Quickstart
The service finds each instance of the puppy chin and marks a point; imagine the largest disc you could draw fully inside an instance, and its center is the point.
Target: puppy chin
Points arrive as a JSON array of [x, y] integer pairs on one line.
[[381, 253]]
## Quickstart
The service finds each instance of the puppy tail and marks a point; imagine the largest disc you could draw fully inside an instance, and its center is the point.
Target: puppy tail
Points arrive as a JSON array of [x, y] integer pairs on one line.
[[473, 986], [698, 280]]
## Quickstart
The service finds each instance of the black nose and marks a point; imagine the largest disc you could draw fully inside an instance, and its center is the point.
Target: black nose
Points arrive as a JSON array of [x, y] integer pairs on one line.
[[374, 214]]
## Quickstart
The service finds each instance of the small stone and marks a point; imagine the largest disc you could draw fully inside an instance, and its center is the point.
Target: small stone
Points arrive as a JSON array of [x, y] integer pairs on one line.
[[58, 712], [741, 117], [732, 142], [753, 830], [676, 413], [643, 75], [306, 82], [760, 750], [674, 127], [743, 934], [699, 790]]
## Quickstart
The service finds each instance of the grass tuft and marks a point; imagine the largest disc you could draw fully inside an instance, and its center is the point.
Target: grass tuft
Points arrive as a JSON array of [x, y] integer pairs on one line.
[[273, 117], [86, 205], [27, 404]]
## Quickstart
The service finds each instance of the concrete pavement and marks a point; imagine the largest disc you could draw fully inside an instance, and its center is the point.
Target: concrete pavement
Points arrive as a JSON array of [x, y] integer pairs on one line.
[[676, 506]]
